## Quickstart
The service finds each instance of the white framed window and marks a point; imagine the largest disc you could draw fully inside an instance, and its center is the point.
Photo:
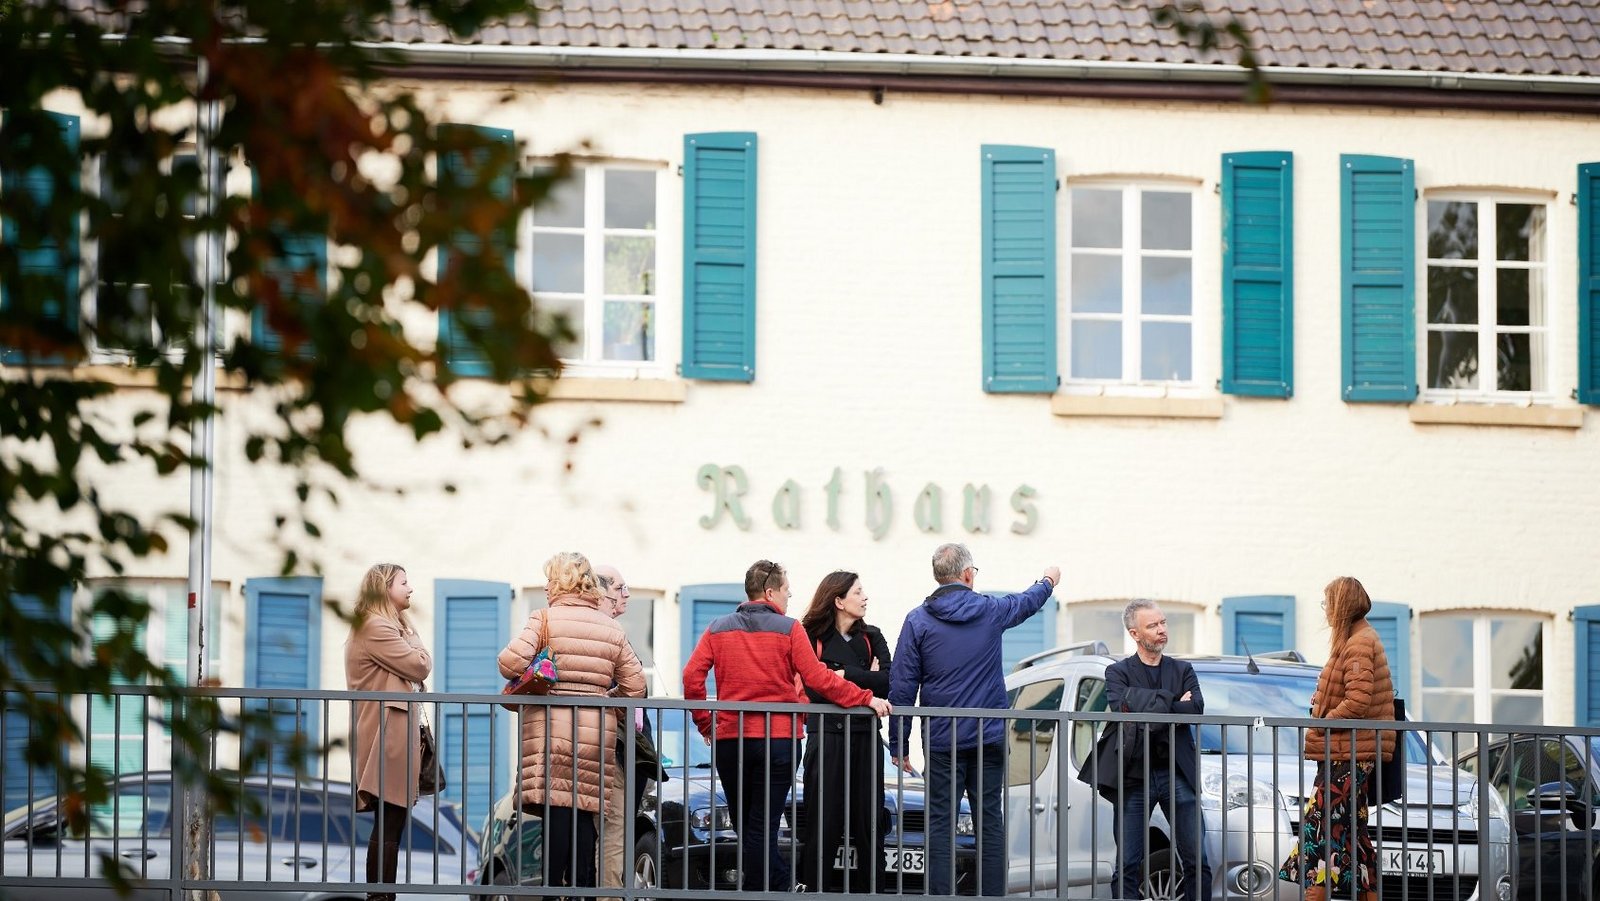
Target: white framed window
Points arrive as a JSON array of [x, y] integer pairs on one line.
[[1102, 621], [117, 254], [1130, 284], [1485, 329], [593, 251], [1483, 668]]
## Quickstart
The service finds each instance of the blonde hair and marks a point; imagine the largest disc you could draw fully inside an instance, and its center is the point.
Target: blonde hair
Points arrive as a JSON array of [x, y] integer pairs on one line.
[[569, 572], [372, 599]]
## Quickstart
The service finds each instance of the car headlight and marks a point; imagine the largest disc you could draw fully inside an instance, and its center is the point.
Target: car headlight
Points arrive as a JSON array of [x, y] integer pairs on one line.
[[1499, 818], [700, 819], [964, 824], [1238, 792]]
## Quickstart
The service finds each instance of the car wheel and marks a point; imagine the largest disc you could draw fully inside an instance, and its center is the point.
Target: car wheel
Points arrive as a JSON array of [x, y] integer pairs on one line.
[[646, 863], [1161, 879], [499, 877]]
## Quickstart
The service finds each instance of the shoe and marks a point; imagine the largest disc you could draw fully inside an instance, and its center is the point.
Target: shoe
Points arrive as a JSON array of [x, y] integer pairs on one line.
[[800, 888]]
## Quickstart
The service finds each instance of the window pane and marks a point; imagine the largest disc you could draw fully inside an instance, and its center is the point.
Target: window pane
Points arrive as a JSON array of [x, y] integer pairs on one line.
[[1096, 218], [1516, 369], [1452, 360], [1167, 286], [1164, 221], [1452, 230], [1516, 653], [569, 313], [1452, 295], [1525, 709], [1096, 283], [1511, 296], [1447, 652], [1447, 707], [630, 265], [1180, 633], [630, 199], [563, 206], [1519, 231], [558, 263], [630, 330], [1165, 354], [1096, 349], [1031, 739], [1098, 624]]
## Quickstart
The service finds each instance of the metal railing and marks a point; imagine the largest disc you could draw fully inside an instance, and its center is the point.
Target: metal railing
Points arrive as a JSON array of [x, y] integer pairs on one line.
[[289, 819]]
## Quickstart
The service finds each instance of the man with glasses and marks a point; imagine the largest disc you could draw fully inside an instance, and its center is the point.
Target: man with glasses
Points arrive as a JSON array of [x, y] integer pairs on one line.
[[949, 652], [761, 655], [615, 594]]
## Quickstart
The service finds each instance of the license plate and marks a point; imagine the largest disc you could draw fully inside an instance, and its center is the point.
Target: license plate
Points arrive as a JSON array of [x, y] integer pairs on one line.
[[1413, 861], [895, 860]]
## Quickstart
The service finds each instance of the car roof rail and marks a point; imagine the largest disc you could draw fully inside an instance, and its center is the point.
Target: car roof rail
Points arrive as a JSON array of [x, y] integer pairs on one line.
[[1083, 648], [1287, 654]]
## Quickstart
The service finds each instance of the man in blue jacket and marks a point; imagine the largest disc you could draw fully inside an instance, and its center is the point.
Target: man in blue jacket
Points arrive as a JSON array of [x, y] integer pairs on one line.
[[949, 651]]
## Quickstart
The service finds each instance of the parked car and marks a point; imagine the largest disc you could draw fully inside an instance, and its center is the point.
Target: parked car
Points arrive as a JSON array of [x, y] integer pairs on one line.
[[1252, 792], [1551, 783], [307, 831], [684, 836]]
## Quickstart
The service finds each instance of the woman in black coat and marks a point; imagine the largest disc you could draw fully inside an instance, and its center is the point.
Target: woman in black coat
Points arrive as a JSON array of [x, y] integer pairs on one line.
[[844, 754]]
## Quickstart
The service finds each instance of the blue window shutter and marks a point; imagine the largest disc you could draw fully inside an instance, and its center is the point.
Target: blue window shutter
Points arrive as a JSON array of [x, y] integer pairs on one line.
[[1258, 273], [719, 256], [48, 258], [698, 605], [461, 168], [1259, 623], [23, 781], [1589, 284], [283, 649], [1393, 623], [1019, 269], [1586, 694], [1377, 225], [471, 625], [301, 274], [1036, 633]]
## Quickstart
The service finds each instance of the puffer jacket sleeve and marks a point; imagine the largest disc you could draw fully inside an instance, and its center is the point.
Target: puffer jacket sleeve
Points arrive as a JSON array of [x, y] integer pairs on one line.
[[629, 673], [516, 655]]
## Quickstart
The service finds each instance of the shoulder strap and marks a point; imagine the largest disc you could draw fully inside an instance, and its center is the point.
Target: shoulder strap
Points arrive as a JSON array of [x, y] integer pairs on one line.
[[544, 631]]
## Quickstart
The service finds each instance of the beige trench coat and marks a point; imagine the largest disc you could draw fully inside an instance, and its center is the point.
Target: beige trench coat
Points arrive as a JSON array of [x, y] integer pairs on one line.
[[379, 657], [592, 653]]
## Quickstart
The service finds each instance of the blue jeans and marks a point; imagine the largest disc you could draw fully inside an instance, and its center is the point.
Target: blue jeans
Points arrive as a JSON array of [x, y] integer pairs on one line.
[[1188, 830], [756, 775], [950, 776]]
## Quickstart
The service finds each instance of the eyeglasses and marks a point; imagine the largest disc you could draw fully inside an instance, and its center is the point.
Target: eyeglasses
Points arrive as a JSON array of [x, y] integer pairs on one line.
[[974, 569], [770, 575]]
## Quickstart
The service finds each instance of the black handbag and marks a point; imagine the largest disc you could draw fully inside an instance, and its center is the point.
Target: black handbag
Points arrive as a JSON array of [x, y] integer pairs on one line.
[[1392, 783], [430, 775]]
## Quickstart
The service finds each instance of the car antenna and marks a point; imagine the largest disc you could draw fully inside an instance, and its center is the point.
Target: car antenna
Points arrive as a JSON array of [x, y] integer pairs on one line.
[[1249, 667]]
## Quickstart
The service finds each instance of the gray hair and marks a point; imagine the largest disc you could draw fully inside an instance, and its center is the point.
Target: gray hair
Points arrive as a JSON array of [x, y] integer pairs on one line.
[[603, 581], [950, 561], [1130, 613]]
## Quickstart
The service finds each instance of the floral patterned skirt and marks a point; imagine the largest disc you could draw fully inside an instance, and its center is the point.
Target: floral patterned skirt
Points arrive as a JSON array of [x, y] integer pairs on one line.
[[1334, 852]]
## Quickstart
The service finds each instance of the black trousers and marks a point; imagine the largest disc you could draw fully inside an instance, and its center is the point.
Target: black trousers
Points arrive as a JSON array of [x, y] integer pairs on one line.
[[567, 830], [383, 849], [843, 806]]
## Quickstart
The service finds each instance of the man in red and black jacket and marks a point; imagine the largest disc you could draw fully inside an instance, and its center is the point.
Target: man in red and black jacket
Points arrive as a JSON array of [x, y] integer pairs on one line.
[[758, 653]]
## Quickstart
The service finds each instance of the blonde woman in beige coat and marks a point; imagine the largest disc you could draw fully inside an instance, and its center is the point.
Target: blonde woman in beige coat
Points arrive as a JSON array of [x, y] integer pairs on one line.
[[385, 654], [592, 654]]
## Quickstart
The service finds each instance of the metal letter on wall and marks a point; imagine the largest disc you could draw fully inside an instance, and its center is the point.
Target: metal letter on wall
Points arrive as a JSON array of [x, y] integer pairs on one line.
[[880, 504], [927, 510], [834, 486], [727, 484], [1030, 514], [786, 506], [975, 508]]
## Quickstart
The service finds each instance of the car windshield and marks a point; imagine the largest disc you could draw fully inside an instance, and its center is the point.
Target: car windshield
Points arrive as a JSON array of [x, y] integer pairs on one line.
[[679, 742], [1240, 693]]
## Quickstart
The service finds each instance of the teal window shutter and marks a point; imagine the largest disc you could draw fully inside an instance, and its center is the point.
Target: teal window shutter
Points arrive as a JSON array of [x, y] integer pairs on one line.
[[719, 256], [1257, 624], [1019, 269], [1393, 623], [1377, 226], [52, 259], [301, 274], [698, 605], [1258, 273], [459, 169], [283, 649], [1586, 694], [1589, 284], [471, 625], [1035, 634]]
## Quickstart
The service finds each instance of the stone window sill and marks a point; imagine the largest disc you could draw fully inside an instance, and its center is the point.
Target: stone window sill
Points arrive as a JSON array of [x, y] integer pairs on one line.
[[1539, 417], [1137, 407], [119, 376], [580, 388]]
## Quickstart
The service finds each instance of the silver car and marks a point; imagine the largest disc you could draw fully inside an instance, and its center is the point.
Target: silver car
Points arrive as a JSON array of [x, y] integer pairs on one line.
[[1253, 783], [305, 833]]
